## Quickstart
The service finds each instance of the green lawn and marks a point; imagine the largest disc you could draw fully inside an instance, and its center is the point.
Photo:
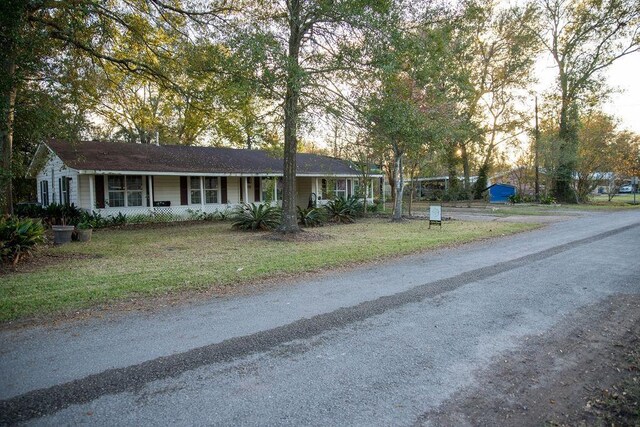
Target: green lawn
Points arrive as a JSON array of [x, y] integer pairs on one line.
[[136, 262], [597, 203]]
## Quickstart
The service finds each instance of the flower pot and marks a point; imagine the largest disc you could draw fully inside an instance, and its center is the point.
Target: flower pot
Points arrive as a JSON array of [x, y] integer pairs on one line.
[[84, 234], [62, 234]]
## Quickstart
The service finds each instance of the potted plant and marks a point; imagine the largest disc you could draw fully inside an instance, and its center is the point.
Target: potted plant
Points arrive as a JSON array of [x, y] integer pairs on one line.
[[84, 231], [62, 232]]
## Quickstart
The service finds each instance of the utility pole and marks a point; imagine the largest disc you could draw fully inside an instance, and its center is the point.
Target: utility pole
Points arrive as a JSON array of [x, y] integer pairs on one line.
[[537, 166]]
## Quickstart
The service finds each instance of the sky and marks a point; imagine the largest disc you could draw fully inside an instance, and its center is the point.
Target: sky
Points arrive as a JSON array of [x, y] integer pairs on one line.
[[625, 74]]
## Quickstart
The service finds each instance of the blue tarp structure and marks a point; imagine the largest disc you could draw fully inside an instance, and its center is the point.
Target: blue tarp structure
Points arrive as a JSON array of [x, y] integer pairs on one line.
[[499, 193]]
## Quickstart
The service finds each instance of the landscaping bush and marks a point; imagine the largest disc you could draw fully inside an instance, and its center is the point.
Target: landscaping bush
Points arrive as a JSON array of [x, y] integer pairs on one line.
[[311, 217], [515, 198], [29, 210], [19, 237], [547, 200], [62, 214], [250, 216], [344, 210]]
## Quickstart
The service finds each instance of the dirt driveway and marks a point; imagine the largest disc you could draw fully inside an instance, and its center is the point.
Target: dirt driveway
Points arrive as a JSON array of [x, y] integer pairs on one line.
[[585, 371]]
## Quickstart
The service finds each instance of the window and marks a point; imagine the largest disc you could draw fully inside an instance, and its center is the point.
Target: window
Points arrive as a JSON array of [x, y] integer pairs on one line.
[[125, 191], [279, 189], [44, 193], [341, 188], [266, 185], [63, 184], [134, 190], [116, 186], [211, 189], [196, 195]]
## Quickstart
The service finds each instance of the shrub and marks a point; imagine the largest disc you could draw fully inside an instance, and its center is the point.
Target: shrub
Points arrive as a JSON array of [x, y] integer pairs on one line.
[[547, 200], [62, 214], [515, 198], [120, 219], [19, 238], [29, 210], [344, 210], [256, 217], [311, 217]]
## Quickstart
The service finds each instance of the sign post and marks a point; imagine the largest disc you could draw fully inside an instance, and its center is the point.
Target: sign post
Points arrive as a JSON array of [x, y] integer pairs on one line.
[[435, 215]]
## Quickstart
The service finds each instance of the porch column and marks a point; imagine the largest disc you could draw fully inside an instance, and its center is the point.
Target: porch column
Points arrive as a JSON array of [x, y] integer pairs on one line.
[[245, 189], [275, 189], [202, 193], [150, 190], [92, 195]]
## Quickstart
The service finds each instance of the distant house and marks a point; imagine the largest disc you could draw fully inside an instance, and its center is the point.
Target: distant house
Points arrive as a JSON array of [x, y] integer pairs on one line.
[[112, 178]]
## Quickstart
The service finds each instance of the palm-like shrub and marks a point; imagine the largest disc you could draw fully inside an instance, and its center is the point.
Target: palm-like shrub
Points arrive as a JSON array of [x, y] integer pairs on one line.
[[18, 237], [344, 210], [311, 217], [250, 216]]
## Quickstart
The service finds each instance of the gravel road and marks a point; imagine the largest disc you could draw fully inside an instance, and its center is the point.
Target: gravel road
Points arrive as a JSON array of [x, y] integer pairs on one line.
[[383, 345]]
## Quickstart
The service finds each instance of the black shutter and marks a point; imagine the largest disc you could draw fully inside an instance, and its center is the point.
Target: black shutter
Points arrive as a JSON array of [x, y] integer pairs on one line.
[[99, 191], [184, 195], [223, 189], [256, 189]]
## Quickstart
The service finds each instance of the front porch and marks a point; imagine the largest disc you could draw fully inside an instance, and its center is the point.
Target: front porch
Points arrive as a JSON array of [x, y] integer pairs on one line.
[[188, 197]]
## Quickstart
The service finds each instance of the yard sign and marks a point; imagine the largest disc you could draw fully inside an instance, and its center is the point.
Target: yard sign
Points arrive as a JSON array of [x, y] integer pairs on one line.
[[435, 215]]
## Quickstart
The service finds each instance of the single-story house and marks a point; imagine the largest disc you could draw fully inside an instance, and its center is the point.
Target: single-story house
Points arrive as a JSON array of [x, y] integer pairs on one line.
[[112, 177]]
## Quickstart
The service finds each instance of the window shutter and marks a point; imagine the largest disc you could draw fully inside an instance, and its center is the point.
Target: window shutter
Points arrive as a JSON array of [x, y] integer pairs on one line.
[[184, 195], [60, 190], [256, 189], [223, 189], [99, 182]]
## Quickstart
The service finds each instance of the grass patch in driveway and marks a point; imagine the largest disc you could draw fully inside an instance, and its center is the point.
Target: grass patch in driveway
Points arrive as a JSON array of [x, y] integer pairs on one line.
[[136, 262]]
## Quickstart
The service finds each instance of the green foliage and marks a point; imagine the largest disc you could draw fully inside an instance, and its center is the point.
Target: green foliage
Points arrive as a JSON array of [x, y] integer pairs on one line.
[[547, 199], [311, 217], [19, 237], [62, 214], [120, 219], [344, 210], [481, 183], [29, 210], [516, 198], [250, 216]]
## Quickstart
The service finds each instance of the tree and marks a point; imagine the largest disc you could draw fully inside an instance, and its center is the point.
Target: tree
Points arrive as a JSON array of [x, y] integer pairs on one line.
[[583, 38], [399, 125], [37, 35], [303, 46], [596, 152]]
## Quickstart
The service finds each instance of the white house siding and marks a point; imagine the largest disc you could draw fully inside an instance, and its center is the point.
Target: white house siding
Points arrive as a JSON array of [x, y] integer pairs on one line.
[[53, 170], [166, 188], [84, 197], [303, 190], [233, 189]]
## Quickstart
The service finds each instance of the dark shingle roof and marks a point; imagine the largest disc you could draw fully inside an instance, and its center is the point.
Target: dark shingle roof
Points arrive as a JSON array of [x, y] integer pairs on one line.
[[123, 157]]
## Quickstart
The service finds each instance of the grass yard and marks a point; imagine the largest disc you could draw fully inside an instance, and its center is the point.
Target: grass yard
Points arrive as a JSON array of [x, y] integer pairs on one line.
[[597, 203], [138, 262]]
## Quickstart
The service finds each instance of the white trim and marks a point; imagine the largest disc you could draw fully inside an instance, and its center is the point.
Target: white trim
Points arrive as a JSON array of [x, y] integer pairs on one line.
[[244, 174], [92, 196]]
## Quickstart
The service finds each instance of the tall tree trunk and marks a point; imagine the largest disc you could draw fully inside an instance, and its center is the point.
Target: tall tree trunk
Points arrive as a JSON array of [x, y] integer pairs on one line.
[[568, 140], [399, 184], [9, 91], [292, 97]]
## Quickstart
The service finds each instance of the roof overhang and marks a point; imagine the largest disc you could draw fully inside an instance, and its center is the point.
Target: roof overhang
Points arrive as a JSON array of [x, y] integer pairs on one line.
[[238, 174]]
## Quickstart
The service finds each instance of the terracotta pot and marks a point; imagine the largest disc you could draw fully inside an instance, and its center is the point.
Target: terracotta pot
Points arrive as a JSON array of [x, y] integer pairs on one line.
[[62, 234]]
